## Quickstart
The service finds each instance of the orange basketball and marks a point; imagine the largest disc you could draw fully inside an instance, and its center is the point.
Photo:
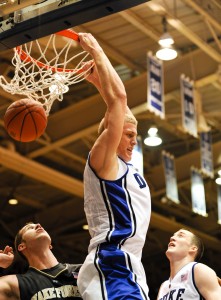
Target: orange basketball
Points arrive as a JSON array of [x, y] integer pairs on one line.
[[25, 120]]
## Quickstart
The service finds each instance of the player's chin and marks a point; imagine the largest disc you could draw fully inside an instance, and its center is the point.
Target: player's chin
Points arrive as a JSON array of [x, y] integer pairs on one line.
[[129, 155], [125, 156], [128, 158], [169, 249], [169, 252]]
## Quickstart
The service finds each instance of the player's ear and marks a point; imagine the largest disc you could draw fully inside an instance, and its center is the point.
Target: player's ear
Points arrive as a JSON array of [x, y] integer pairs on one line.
[[193, 249], [50, 247], [21, 247]]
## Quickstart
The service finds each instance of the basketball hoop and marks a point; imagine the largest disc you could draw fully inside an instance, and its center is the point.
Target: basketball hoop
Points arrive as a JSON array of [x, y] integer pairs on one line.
[[43, 71]]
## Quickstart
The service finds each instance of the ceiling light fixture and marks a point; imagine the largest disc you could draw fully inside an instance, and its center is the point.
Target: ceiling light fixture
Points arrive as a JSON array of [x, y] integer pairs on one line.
[[12, 200], [11, 197], [218, 179], [152, 139], [85, 227], [167, 51]]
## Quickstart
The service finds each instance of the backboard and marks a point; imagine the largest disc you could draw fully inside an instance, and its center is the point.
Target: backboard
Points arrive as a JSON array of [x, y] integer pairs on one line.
[[20, 23]]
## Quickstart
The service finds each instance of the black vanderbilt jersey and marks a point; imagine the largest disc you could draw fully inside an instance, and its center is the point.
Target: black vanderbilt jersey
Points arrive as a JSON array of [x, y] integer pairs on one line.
[[58, 282]]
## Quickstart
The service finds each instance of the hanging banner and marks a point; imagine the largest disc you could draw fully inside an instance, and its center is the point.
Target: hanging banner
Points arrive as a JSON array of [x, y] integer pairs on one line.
[[170, 177], [206, 154], [137, 156], [155, 93], [188, 106], [198, 193], [219, 203]]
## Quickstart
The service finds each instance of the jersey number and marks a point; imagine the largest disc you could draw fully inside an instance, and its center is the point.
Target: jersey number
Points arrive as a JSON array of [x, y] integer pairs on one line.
[[140, 181]]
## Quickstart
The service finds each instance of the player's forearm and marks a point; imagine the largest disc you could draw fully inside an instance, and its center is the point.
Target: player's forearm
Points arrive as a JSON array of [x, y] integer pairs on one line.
[[105, 77], [110, 85]]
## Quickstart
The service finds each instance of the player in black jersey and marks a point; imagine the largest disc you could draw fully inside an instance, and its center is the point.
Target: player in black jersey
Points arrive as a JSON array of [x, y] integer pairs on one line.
[[46, 278]]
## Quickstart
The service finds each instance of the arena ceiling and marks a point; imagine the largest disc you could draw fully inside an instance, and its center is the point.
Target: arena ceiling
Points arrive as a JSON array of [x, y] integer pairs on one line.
[[46, 175]]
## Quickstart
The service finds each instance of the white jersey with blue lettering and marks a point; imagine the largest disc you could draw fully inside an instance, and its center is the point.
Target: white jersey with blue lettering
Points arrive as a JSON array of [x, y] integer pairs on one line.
[[118, 215], [182, 286]]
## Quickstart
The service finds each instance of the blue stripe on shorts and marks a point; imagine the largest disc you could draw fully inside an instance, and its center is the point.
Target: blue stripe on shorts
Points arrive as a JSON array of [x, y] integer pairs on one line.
[[116, 274]]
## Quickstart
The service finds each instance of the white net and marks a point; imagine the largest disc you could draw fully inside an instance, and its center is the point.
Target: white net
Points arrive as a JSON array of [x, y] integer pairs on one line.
[[43, 72]]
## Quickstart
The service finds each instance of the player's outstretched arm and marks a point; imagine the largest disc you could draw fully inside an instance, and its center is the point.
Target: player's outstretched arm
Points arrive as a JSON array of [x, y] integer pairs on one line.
[[207, 283], [103, 156]]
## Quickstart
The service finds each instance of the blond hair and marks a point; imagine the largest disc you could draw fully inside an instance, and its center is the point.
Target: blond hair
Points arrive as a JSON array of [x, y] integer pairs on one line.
[[129, 118]]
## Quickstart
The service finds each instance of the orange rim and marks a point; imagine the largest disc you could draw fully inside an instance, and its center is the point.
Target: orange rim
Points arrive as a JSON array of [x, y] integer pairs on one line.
[[67, 33]]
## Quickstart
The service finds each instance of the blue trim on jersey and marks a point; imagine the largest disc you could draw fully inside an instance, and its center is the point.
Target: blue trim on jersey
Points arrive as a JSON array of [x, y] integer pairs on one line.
[[115, 267], [108, 210], [194, 283], [132, 212], [120, 211], [127, 164]]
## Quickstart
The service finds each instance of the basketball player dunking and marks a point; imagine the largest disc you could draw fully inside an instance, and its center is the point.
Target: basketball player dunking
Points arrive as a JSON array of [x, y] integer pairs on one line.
[[117, 199]]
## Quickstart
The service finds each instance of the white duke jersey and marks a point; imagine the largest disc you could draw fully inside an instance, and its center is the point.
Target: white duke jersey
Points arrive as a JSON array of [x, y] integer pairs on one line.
[[118, 215], [182, 286], [117, 211]]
